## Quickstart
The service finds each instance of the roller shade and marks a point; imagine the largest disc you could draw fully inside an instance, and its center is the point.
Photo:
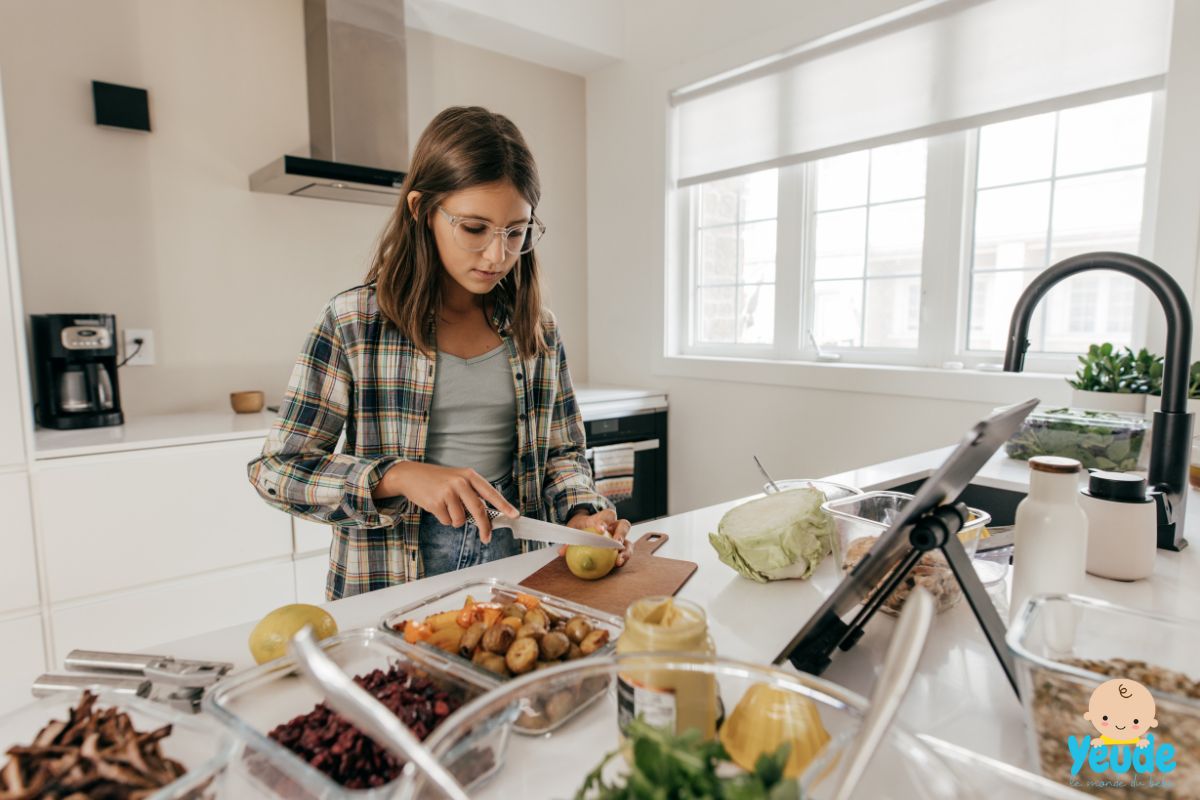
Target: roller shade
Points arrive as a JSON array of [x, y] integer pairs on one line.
[[953, 65]]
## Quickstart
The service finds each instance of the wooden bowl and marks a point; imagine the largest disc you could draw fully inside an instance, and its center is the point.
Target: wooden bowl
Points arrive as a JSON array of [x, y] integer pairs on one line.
[[247, 402]]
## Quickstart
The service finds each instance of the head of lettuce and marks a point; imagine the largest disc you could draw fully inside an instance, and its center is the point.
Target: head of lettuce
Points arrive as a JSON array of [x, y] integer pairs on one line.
[[783, 535]]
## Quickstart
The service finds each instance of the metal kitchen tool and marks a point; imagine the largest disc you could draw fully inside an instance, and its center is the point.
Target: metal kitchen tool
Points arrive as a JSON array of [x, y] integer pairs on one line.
[[763, 470], [899, 665], [930, 521], [176, 682], [540, 531], [373, 718]]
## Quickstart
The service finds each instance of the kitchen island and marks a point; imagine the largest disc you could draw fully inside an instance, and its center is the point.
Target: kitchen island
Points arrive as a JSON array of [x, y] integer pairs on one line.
[[959, 694]]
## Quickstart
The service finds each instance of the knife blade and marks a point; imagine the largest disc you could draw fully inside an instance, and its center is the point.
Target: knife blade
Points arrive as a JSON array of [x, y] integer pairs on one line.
[[540, 531]]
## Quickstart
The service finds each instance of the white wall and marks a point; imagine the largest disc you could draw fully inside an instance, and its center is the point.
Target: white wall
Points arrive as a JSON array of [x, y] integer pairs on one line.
[[162, 230], [716, 424]]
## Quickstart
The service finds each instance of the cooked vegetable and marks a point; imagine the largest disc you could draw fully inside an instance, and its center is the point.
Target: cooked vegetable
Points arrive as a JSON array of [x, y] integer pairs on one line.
[[1098, 439], [498, 638], [577, 629], [554, 645], [515, 610], [491, 662], [665, 766], [593, 641], [573, 653], [538, 616], [782, 535], [521, 656], [531, 630], [471, 638]]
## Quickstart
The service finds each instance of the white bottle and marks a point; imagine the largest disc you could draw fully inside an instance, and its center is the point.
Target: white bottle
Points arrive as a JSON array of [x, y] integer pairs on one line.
[[1050, 538]]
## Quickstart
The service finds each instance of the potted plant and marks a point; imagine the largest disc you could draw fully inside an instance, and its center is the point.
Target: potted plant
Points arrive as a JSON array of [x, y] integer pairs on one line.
[[1154, 400], [1112, 379]]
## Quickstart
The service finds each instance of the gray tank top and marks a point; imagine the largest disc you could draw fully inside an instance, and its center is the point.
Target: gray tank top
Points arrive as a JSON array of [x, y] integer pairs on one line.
[[473, 419]]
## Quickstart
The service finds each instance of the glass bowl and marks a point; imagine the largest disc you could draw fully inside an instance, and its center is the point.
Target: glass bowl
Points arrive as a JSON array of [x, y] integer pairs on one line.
[[1065, 646], [253, 702], [705, 689], [831, 490], [195, 742]]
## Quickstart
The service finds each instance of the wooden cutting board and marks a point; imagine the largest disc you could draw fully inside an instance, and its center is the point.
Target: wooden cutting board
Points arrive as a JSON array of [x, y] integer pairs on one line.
[[643, 574]]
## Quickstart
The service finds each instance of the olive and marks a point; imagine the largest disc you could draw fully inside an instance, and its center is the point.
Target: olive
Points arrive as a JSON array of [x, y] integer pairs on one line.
[[498, 638], [514, 610], [594, 641], [522, 656], [577, 629], [554, 645], [470, 639]]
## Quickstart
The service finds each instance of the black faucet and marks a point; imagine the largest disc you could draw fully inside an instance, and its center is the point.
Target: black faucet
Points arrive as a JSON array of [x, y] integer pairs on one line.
[[1171, 448]]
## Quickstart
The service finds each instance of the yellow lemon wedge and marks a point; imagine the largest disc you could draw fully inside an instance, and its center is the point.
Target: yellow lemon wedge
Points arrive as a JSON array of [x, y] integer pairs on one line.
[[591, 563], [270, 637]]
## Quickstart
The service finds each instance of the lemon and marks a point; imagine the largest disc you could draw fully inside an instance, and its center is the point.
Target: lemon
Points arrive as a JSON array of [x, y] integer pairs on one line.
[[270, 637], [591, 563]]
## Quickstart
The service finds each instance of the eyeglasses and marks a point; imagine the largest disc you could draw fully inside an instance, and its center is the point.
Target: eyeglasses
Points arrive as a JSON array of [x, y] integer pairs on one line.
[[476, 235]]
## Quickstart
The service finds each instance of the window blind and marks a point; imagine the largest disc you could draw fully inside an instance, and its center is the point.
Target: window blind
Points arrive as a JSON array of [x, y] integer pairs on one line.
[[950, 65]]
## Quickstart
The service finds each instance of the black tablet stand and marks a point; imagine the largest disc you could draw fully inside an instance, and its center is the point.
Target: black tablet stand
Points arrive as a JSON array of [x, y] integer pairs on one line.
[[936, 529]]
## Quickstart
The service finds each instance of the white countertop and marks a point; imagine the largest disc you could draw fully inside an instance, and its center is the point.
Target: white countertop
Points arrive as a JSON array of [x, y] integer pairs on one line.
[[200, 427]]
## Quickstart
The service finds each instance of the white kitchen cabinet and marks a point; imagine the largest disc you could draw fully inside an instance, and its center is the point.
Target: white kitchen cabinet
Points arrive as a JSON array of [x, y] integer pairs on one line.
[[310, 537], [122, 520], [18, 565], [138, 619], [310, 578], [23, 660]]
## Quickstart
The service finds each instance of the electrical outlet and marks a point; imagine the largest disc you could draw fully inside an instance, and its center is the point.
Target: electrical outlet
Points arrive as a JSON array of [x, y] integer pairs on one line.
[[145, 356]]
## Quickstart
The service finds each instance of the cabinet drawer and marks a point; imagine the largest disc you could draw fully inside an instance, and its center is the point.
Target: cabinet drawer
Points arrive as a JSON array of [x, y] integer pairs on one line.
[[24, 661], [144, 618], [18, 568], [311, 536], [122, 520]]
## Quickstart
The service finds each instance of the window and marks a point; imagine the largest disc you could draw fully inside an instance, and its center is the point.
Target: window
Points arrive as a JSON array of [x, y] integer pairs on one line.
[[915, 253]]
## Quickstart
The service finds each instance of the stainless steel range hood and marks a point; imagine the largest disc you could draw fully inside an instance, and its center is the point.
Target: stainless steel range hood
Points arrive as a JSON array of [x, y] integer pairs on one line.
[[357, 106]]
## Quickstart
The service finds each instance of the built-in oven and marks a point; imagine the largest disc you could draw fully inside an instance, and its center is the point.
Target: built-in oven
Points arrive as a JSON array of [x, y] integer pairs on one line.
[[627, 448]]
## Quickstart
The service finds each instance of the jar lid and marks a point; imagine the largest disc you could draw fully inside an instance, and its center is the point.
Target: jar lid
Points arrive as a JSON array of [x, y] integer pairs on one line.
[[1125, 487], [1056, 464]]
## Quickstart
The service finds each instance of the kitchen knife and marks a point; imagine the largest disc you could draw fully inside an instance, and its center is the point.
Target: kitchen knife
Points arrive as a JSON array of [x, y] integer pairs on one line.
[[540, 531]]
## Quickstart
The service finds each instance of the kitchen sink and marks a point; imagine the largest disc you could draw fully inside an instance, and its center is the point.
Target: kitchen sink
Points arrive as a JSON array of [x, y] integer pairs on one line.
[[1000, 503]]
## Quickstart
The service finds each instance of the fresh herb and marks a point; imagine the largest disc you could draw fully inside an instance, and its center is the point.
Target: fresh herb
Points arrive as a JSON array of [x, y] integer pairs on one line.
[[1095, 438], [1104, 368], [667, 766]]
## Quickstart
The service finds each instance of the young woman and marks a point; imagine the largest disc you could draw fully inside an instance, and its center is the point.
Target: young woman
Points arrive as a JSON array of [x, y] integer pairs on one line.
[[445, 375]]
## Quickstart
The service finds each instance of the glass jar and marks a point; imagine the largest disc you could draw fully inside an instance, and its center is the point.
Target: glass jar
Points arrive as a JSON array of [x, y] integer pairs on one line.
[[677, 701]]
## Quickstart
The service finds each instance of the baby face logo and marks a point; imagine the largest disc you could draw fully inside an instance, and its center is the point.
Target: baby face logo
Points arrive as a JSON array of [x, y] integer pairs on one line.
[[1122, 712]]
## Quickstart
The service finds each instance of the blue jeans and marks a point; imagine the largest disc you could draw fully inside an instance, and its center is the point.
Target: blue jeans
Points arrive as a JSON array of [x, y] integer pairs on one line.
[[445, 548]]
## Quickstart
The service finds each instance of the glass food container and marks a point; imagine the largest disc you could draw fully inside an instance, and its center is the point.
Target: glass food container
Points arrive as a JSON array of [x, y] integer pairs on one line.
[[253, 702], [1066, 646], [831, 490], [1097, 439], [553, 709], [996, 780], [558, 763], [203, 748]]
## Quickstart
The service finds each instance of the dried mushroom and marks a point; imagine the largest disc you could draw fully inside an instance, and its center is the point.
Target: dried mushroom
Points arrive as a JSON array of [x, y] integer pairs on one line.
[[95, 753]]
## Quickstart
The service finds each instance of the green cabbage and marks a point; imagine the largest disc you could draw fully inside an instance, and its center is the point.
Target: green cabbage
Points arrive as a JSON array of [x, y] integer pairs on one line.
[[783, 535]]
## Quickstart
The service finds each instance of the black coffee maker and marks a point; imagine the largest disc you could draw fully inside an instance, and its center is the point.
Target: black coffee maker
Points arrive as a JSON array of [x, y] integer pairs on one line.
[[75, 369]]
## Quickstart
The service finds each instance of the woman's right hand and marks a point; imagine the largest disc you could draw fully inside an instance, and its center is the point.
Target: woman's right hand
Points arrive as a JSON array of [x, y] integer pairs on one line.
[[449, 493]]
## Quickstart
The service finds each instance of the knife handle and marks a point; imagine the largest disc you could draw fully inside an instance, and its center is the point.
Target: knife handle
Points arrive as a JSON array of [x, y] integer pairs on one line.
[[85, 660], [47, 685]]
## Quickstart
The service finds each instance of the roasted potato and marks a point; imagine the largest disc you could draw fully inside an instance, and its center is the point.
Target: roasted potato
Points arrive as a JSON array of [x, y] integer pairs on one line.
[[491, 662], [593, 641], [577, 629], [554, 645], [558, 706], [531, 630], [498, 638], [521, 656], [471, 638], [515, 610], [538, 616], [573, 653]]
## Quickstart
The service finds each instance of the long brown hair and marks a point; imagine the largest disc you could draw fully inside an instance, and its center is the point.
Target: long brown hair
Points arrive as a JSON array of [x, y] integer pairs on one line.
[[462, 147]]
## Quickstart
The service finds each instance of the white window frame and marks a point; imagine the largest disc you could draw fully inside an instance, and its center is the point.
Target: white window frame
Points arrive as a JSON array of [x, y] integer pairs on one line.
[[947, 257]]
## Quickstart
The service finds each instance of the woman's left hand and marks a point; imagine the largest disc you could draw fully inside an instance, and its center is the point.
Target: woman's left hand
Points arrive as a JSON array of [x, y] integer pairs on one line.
[[607, 522]]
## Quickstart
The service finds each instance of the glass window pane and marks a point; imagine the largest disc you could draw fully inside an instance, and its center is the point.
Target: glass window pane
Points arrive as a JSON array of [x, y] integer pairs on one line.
[[1104, 135], [896, 234], [993, 295], [1010, 226], [1088, 308], [758, 253], [760, 195], [842, 181], [841, 243], [893, 312], [898, 171], [837, 313], [1097, 212], [719, 201], [1020, 150], [756, 314], [716, 314], [718, 255]]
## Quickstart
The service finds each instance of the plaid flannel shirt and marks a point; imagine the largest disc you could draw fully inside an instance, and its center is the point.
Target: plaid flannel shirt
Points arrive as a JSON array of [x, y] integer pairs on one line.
[[360, 376]]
